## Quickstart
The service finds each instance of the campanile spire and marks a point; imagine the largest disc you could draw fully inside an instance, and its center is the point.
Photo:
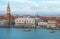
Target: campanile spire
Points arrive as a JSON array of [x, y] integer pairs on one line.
[[8, 15], [8, 8]]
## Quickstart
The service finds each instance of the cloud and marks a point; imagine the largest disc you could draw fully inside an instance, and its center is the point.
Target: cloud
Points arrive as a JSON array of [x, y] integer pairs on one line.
[[2, 8], [26, 7], [14, 0], [22, 10], [33, 6]]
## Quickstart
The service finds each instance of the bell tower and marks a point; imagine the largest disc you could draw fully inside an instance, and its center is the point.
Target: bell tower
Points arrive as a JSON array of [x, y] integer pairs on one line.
[[8, 15]]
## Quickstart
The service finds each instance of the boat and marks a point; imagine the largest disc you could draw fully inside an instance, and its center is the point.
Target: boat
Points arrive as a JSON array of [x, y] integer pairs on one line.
[[27, 29], [52, 31]]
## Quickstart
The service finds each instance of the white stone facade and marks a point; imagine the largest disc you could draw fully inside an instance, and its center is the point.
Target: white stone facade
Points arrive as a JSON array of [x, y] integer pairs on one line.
[[25, 22], [51, 23], [42, 24]]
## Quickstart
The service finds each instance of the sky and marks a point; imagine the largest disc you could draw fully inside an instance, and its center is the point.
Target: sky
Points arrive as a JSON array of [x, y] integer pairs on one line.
[[41, 7]]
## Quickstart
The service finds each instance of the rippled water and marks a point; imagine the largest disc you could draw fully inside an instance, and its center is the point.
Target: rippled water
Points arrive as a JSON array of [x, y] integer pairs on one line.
[[16, 33]]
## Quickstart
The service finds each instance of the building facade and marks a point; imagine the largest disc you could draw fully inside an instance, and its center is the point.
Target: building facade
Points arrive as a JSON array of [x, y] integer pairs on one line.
[[51, 23], [25, 22], [42, 24]]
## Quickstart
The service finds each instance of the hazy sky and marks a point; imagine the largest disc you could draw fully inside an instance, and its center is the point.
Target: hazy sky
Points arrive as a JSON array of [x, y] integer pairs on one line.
[[32, 6]]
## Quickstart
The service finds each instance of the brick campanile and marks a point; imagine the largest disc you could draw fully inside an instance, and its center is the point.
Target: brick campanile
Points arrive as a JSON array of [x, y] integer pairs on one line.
[[8, 15]]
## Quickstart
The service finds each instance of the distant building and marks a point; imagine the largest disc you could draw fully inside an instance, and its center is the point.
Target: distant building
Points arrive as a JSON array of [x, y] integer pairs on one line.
[[5, 23], [25, 22], [58, 22], [42, 24], [51, 23], [37, 19]]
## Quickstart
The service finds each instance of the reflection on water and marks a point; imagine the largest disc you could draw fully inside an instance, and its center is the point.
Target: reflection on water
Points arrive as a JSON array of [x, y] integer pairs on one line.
[[17, 33]]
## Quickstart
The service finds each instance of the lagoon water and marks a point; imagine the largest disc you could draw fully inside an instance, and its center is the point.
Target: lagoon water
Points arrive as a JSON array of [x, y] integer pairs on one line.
[[17, 33]]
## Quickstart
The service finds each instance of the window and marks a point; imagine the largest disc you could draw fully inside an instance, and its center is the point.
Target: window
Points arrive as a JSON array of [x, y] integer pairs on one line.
[[17, 20]]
